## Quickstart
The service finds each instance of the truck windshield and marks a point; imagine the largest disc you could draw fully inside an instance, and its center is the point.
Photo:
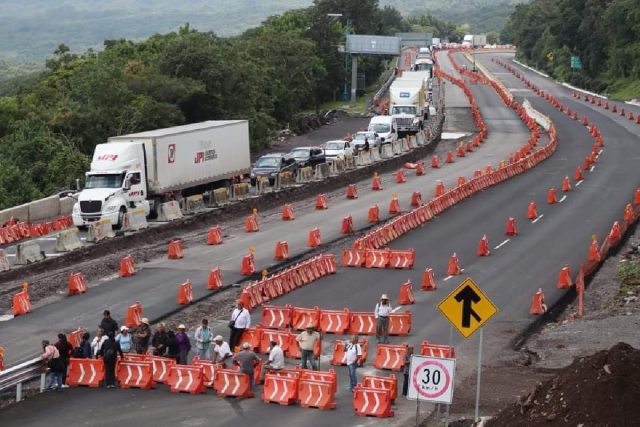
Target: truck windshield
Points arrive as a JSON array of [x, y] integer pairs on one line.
[[104, 181], [380, 128], [424, 67], [404, 110]]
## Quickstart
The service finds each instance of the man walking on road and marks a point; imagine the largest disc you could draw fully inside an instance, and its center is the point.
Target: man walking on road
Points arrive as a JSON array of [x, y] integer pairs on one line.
[[203, 340], [306, 343], [240, 320], [353, 353], [382, 312]]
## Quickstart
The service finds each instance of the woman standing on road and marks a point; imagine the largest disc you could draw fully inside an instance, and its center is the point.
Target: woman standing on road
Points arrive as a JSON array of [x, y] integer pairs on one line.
[[97, 342], [66, 351], [124, 339], [185, 344], [56, 367]]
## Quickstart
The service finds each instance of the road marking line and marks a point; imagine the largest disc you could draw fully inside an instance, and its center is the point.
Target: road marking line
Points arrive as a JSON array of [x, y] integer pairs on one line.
[[592, 168], [48, 239], [600, 152], [562, 199], [579, 182], [447, 278], [48, 255], [10, 255], [6, 317], [396, 309], [502, 244], [536, 220]]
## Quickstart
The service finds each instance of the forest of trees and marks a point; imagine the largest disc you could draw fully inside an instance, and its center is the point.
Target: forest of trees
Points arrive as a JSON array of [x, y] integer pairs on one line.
[[605, 34], [50, 122]]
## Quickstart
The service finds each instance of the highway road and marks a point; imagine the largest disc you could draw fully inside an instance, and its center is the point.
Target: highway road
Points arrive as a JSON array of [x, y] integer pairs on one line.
[[156, 285]]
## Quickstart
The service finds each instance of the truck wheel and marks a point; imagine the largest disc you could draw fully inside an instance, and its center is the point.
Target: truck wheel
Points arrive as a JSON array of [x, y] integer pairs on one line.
[[153, 212], [121, 214]]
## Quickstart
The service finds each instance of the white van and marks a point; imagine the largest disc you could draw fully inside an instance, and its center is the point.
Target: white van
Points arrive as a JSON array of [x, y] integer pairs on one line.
[[383, 126]]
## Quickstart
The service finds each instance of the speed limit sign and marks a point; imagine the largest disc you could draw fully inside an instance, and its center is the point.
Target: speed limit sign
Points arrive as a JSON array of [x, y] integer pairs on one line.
[[431, 379]]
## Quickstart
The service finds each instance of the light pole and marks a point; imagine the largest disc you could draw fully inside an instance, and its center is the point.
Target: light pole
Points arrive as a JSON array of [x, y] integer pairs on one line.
[[347, 31]]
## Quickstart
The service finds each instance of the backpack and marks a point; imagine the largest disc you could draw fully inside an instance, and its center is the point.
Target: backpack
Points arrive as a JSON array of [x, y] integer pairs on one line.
[[77, 353]]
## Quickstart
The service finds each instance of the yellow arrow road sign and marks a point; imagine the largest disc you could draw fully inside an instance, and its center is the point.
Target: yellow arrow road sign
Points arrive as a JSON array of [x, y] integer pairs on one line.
[[467, 308]]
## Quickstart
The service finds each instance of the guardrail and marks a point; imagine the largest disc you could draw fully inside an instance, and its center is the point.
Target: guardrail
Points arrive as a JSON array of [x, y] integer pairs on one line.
[[19, 374], [385, 86]]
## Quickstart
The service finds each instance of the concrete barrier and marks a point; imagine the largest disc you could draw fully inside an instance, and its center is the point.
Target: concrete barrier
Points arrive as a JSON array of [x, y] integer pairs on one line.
[[170, 211], [28, 253], [396, 149], [375, 154], [286, 179], [333, 167], [66, 205], [100, 230], [420, 139], [20, 212], [4, 262], [68, 240], [305, 174], [239, 191], [194, 205], [44, 208], [136, 220], [220, 197], [540, 118], [350, 162], [322, 171], [262, 185], [387, 151]]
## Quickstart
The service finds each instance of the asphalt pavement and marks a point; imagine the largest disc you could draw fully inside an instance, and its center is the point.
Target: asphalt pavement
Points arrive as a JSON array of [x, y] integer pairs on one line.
[[156, 284]]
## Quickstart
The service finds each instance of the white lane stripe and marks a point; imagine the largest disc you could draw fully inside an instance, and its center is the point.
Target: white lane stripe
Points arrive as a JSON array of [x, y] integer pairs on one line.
[[396, 309], [447, 278], [536, 220], [502, 244], [562, 199], [592, 168], [600, 152], [578, 183]]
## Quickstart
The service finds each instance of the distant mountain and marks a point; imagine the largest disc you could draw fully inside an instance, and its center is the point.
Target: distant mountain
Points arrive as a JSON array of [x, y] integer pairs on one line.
[[30, 30]]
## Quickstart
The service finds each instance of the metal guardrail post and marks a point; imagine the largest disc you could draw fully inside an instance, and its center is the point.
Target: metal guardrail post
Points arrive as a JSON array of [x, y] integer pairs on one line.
[[19, 374]]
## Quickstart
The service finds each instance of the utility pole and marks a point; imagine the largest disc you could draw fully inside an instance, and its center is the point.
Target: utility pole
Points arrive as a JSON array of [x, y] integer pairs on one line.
[[345, 92]]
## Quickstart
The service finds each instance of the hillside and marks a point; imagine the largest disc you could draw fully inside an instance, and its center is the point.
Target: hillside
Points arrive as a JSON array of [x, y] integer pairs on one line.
[[30, 30]]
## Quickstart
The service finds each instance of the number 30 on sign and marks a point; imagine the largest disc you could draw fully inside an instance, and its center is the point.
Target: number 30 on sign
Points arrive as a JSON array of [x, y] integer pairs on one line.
[[431, 379]]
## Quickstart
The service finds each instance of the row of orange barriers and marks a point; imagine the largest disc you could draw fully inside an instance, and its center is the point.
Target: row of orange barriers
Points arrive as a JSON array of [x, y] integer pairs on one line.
[[17, 231], [271, 287]]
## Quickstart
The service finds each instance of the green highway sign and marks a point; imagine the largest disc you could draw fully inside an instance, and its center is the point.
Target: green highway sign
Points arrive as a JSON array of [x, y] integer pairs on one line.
[[576, 63]]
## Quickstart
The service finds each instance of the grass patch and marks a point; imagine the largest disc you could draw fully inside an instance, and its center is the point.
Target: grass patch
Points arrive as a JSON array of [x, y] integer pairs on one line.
[[629, 275], [625, 89]]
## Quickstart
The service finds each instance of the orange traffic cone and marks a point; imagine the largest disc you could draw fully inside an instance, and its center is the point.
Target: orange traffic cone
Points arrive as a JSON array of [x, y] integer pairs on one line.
[[551, 196], [566, 185], [428, 280], [564, 277], [420, 169], [628, 213], [314, 238], [469, 147], [636, 197], [127, 266], [347, 225], [449, 158], [592, 159], [615, 234], [321, 202], [511, 227], [215, 279], [538, 305], [251, 223], [483, 247], [287, 212], [586, 164], [578, 174], [394, 206], [454, 266], [614, 108], [488, 170], [185, 293], [575, 116], [606, 105], [374, 214], [416, 199], [406, 294], [594, 249], [282, 251], [622, 111], [461, 180], [631, 115], [377, 184], [531, 211], [215, 236], [585, 121], [400, 179], [440, 190], [435, 163], [352, 192], [477, 173], [175, 249], [460, 150]]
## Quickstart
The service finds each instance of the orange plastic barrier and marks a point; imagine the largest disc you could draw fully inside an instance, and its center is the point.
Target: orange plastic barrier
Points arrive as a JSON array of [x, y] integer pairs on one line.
[[437, 350], [127, 266], [377, 258], [228, 383], [214, 236], [185, 293], [77, 284], [134, 315], [334, 321], [362, 323], [302, 317], [187, 379], [287, 213], [85, 372], [315, 239], [75, 337], [161, 368], [538, 305], [401, 258], [281, 251], [316, 394], [137, 374], [22, 302], [281, 337], [339, 357], [376, 184], [175, 249], [564, 278], [400, 323], [347, 225], [353, 258], [389, 383], [215, 279], [248, 265], [352, 192], [374, 214], [208, 370], [253, 336], [370, 402], [406, 294], [251, 224], [276, 317], [390, 356], [280, 389], [321, 202], [428, 280]]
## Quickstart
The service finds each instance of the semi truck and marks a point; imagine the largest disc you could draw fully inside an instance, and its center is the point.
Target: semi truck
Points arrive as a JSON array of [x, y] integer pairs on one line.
[[478, 40], [146, 169], [407, 105]]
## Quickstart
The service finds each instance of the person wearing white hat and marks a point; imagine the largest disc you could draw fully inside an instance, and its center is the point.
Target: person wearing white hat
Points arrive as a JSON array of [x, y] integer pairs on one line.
[[185, 344], [306, 342], [221, 351], [124, 339], [382, 312], [142, 336], [247, 360]]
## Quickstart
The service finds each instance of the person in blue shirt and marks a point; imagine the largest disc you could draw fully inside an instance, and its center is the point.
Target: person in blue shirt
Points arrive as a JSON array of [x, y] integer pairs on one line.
[[124, 339]]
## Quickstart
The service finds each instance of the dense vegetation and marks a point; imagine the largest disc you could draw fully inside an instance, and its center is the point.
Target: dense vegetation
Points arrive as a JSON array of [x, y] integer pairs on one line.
[[605, 34], [50, 124]]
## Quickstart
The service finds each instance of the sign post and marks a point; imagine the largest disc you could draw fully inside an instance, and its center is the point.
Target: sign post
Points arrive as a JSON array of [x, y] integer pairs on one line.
[[467, 308]]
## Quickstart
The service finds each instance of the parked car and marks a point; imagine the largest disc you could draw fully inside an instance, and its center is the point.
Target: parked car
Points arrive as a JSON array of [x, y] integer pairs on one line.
[[337, 148], [272, 164], [308, 156]]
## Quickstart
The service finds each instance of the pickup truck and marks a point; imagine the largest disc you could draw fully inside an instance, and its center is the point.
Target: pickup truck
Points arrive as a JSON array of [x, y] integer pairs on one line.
[[271, 165], [308, 156]]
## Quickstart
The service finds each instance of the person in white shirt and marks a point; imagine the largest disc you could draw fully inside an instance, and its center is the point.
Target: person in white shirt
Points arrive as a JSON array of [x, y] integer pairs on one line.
[[353, 353], [276, 360], [97, 342], [221, 351], [382, 312], [240, 320]]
